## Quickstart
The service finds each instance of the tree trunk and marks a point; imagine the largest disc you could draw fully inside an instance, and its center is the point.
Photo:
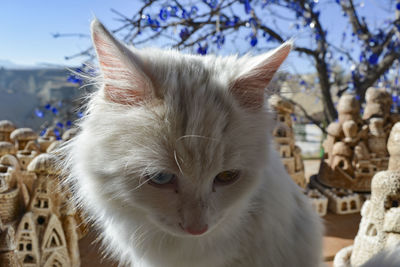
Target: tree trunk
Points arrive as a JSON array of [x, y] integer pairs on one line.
[[329, 108]]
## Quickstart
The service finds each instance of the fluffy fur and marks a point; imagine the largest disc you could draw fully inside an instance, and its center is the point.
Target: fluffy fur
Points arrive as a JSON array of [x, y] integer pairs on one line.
[[192, 116]]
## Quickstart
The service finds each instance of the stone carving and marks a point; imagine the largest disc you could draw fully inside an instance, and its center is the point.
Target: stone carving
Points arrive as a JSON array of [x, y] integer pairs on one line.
[[22, 136], [341, 201], [380, 223], [318, 201], [284, 139], [38, 226], [290, 153], [355, 147], [6, 127], [7, 246]]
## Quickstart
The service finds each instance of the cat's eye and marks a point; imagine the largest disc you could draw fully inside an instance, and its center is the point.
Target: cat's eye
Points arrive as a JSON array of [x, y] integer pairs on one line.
[[161, 178], [226, 177]]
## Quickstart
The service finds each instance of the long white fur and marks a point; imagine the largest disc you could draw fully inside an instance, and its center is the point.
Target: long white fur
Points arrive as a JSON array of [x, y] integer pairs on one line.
[[195, 130]]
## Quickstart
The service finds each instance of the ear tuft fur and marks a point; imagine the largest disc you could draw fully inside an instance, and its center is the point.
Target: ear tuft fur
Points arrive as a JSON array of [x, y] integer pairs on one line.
[[123, 72]]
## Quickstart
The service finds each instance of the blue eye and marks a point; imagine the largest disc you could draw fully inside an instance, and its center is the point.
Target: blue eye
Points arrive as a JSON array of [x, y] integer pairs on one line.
[[162, 178]]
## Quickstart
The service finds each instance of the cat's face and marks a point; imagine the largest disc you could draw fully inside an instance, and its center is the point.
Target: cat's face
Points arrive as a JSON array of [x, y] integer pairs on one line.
[[179, 139]]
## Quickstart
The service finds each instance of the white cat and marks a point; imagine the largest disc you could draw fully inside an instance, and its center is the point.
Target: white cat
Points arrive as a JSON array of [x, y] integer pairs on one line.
[[175, 162]]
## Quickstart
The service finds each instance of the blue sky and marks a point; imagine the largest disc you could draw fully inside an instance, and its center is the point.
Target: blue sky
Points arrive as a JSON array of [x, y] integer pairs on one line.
[[26, 27]]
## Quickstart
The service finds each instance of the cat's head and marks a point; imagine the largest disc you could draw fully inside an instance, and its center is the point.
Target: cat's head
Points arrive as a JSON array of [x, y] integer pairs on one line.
[[180, 139]]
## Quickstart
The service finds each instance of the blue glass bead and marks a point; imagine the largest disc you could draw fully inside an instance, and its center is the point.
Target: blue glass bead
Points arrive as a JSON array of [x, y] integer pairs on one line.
[[219, 40], [48, 106], [39, 113], [60, 125], [54, 110], [155, 25], [247, 6], [56, 132], [213, 3], [68, 123], [373, 59], [173, 10], [193, 11], [42, 132], [185, 14], [253, 41], [253, 22], [164, 14], [184, 33], [202, 50], [232, 22]]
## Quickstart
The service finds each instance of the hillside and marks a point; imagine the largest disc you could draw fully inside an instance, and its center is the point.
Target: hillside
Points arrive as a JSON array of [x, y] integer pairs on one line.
[[24, 90]]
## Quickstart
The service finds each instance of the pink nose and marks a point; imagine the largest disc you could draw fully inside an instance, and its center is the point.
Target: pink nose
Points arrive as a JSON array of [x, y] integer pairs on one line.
[[195, 231]]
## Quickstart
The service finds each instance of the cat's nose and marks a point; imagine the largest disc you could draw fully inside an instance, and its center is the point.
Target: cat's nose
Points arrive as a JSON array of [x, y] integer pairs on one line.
[[195, 230]]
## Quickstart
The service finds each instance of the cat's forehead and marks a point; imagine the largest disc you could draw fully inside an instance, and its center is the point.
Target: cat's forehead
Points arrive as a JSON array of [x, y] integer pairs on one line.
[[172, 66]]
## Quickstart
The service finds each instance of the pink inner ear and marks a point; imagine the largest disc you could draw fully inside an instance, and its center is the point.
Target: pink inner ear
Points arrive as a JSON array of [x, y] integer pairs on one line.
[[122, 84], [249, 88]]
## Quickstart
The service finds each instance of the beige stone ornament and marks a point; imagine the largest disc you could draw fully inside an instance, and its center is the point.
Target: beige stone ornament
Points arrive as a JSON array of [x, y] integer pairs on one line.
[[22, 136], [284, 138], [38, 225], [380, 223], [355, 147], [6, 127]]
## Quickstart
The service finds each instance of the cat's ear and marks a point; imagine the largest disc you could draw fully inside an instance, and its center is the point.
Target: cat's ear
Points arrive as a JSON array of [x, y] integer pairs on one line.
[[249, 87], [125, 81]]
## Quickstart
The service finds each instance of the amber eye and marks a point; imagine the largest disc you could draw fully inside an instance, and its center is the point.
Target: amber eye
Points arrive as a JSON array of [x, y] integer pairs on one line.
[[226, 177]]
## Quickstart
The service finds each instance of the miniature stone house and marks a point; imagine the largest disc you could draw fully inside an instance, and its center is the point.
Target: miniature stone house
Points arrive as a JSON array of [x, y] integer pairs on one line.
[[22, 136], [284, 138], [6, 127], [9, 195], [380, 224], [47, 139], [318, 201], [31, 201], [40, 233], [27, 242], [54, 245], [6, 148], [355, 148], [7, 246]]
